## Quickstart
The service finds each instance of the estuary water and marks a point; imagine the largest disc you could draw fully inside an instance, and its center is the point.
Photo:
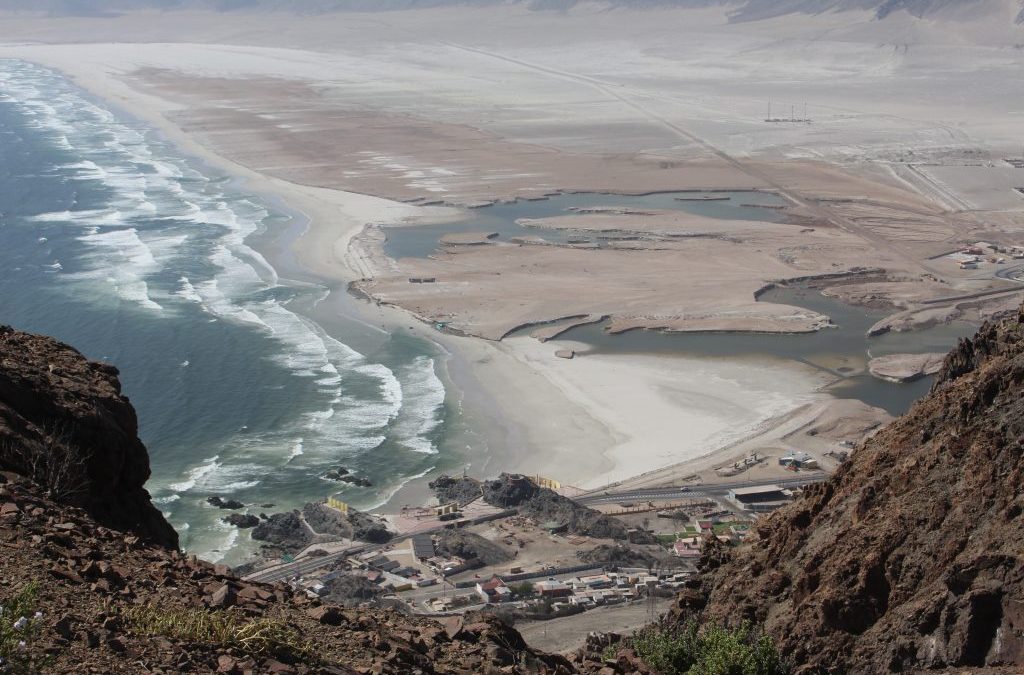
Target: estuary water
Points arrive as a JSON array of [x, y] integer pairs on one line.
[[114, 242]]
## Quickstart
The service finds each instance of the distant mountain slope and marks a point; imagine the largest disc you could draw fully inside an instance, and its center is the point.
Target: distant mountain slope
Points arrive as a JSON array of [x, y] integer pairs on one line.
[[745, 10], [910, 556]]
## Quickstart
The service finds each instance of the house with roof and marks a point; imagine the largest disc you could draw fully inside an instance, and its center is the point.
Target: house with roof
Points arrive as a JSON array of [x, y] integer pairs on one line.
[[688, 547], [493, 590], [550, 588]]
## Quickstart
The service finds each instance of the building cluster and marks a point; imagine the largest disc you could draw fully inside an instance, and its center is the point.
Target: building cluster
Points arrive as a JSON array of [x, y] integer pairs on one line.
[[689, 547], [969, 257], [583, 592]]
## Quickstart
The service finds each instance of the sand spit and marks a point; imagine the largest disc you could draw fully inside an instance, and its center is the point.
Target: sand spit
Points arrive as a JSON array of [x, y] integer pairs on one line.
[[905, 367]]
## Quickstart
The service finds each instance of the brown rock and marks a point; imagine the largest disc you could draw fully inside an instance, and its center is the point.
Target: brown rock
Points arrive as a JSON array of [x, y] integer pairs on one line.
[[66, 575], [452, 626], [327, 614], [223, 597], [227, 664]]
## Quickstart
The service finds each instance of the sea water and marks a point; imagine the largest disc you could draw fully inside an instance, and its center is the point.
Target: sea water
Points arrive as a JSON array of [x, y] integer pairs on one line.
[[114, 242]]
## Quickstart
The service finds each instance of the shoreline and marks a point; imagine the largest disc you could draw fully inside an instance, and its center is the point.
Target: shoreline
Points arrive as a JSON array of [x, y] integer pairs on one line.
[[611, 419]]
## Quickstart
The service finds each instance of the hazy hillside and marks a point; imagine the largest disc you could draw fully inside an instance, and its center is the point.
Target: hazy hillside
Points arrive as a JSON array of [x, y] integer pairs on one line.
[[739, 9]]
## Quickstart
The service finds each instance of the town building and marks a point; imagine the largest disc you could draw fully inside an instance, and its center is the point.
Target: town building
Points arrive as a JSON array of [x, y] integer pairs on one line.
[[493, 590], [760, 498], [688, 547], [549, 588]]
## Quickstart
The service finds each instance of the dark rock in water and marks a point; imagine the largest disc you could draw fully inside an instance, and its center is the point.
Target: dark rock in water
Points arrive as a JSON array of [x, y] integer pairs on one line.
[[343, 475], [266, 506], [224, 503], [241, 520], [65, 425], [448, 489], [285, 531]]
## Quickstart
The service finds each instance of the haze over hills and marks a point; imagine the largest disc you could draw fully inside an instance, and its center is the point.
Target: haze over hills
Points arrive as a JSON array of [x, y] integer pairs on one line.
[[739, 10]]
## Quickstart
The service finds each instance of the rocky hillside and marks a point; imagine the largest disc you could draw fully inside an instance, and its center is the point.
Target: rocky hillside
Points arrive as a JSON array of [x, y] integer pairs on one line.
[[110, 603], [64, 422], [911, 555]]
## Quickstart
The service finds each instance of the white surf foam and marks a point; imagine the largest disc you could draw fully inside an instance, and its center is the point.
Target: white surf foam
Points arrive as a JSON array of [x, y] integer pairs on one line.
[[423, 407]]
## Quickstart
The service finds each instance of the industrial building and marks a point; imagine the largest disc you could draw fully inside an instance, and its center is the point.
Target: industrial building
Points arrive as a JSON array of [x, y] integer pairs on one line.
[[760, 498]]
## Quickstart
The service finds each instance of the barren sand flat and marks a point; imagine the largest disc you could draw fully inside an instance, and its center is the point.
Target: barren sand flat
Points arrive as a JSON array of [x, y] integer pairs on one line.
[[491, 290], [299, 132], [682, 273], [665, 410]]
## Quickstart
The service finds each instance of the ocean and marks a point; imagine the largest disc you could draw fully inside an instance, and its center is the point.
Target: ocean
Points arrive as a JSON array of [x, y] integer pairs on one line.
[[115, 242]]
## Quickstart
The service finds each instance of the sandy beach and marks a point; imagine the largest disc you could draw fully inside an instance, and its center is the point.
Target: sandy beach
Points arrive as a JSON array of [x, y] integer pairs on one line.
[[356, 140]]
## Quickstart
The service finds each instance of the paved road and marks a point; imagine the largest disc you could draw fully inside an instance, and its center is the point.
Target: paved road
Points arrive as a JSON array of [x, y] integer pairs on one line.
[[673, 493], [301, 566], [1012, 273]]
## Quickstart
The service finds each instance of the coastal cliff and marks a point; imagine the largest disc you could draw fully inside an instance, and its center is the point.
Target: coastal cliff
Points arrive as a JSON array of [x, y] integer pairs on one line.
[[65, 424], [92, 580], [910, 556]]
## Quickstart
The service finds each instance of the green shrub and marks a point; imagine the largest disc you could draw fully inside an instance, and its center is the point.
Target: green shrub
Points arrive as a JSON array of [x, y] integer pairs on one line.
[[524, 589], [260, 637], [20, 625], [711, 650]]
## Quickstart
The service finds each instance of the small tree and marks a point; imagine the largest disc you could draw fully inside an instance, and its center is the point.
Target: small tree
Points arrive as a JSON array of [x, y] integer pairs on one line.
[[54, 463], [524, 589]]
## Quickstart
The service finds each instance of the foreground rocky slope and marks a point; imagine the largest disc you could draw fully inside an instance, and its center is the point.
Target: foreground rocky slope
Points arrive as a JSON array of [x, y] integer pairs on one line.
[[113, 593], [64, 422], [911, 555], [112, 604]]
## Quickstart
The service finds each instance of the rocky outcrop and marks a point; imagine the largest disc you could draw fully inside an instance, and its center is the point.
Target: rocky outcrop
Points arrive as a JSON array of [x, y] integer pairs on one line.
[[65, 424], [547, 506], [448, 489], [910, 556], [110, 603], [618, 555], [905, 367], [221, 503], [292, 531], [242, 520], [471, 546]]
